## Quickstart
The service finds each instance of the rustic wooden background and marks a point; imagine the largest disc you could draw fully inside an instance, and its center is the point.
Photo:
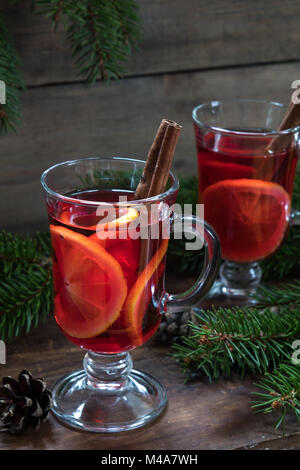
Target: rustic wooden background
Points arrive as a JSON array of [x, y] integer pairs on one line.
[[192, 51]]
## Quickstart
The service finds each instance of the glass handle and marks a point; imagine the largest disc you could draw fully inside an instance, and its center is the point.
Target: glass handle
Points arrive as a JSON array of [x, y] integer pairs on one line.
[[295, 218], [208, 238]]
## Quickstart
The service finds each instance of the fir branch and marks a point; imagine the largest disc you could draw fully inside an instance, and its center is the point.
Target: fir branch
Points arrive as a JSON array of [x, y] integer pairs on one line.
[[25, 282], [123, 19], [285, 294], [98, 66], [25, 300], [280, 392], [58, 13], [101, 33], [10, 74], [242, 338], [18, 252], [286, 261]]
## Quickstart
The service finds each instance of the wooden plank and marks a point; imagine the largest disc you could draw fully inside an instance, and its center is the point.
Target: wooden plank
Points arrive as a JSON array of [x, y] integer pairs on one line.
[[177, 36], [287, 443], [199, 415], [66, 122]]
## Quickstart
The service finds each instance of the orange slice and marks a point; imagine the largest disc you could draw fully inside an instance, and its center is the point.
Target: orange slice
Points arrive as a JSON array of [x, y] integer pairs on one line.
[[121, 222], [250, 217], [124, 248], [126, 252], [134, 307], [80, 218], [89, 283], [211, 171]]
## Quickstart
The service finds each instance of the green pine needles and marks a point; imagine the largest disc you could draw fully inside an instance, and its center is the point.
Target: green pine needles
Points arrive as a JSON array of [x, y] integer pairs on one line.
[[11, 76], [223, 341], [257, 340], [287, 294], [279, 391], [25, 283], [101, 34]]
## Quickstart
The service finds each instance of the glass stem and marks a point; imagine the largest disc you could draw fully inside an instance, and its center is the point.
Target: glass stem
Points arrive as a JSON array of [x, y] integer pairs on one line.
[[107, 372], [240, 276]]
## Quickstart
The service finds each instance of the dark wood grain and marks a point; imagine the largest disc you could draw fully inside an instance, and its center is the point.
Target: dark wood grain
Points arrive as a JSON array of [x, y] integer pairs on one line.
[[199, 415], [286, 443], [69, 121], [178, 36]]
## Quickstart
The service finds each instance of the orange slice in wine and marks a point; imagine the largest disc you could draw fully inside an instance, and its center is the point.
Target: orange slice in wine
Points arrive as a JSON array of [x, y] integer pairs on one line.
[[211, 171], [137, 299], [250, 217], [124, 248], [80, 218], [89, 283], [129, 214]]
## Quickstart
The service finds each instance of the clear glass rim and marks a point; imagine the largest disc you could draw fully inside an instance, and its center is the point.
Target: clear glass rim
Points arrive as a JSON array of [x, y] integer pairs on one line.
[[223, 130], [71, 200]]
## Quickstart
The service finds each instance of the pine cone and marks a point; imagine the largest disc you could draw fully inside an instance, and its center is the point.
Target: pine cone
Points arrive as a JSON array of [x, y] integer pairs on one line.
[[24, 402], [173, 326]]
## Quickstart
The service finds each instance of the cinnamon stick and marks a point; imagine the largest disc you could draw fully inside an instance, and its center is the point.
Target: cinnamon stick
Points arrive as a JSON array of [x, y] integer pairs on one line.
[[159, 160], [156, 172], [165, 157], [143, 187], [291, 119]]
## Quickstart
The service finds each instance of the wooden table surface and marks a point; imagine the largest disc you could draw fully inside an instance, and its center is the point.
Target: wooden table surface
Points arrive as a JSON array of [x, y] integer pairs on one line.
[[199, 415]]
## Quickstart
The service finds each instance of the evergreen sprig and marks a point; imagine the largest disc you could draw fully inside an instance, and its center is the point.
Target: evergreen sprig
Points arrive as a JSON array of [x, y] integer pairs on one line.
[[286, 261], [25, 283], [237, 339], [285, 294], [279, 392], [257, 339], [18, 252], [102, 33], [10, 74]]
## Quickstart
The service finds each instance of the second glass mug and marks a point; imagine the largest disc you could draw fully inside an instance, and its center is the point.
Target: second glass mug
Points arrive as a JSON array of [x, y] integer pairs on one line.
[[109, 293], [246, 186]]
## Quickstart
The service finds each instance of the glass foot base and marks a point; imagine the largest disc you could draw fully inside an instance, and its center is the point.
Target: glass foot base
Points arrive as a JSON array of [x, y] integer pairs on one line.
[[224, 296], [237, 285], [80, 405]]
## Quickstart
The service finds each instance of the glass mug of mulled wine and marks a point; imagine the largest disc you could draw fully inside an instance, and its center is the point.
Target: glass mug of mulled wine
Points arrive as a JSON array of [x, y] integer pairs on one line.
[[246, 171], [109, 289]]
